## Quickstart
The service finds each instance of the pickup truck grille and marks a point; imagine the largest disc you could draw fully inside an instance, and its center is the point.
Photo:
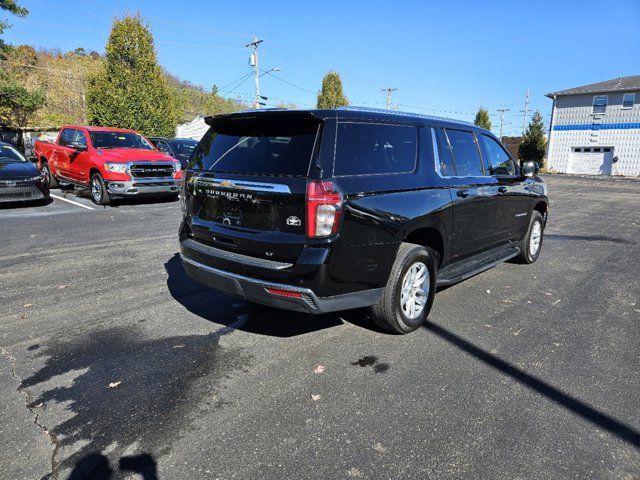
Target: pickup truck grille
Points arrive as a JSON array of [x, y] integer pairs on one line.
[[13, 191], [151, 170]]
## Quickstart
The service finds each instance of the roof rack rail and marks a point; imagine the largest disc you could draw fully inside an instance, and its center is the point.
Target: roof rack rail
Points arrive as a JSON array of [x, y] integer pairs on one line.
[[401, 114]]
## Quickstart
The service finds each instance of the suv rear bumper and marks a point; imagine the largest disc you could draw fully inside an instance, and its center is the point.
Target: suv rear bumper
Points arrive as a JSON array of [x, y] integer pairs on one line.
[[255, 290], [143, 186]]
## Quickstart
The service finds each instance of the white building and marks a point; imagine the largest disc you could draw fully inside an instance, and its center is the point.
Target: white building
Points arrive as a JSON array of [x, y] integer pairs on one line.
[[595, 129], [195, 129]]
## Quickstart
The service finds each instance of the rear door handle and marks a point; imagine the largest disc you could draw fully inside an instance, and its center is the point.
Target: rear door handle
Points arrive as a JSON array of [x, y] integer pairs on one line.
[[502, 189], [463, 193]]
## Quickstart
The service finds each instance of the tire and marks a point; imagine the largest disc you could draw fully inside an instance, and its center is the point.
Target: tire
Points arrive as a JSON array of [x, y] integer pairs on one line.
[[531, 244], [99, 193], [51, 179], [393, 311]]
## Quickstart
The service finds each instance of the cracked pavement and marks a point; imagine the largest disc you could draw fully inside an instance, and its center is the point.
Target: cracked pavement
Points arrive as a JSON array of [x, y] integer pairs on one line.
[[114, 364]]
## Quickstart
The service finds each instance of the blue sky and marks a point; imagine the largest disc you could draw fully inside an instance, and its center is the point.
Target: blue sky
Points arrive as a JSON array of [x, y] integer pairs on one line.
[[445, 57]]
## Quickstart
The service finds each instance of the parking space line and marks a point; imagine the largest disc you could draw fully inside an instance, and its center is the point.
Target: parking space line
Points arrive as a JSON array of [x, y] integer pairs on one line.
[[70, 201]]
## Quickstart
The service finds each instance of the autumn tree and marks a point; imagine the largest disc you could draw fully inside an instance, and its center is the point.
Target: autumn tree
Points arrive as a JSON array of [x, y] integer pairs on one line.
[[482, 119], [131, 91], [331, 95], [534, 144]]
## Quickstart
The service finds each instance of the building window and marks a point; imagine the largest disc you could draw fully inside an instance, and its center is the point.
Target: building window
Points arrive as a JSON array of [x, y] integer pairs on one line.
[[628, 99], [599, 104]]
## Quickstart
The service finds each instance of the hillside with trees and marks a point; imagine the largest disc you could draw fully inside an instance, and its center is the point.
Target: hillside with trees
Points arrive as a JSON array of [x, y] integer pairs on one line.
[[48, 88]]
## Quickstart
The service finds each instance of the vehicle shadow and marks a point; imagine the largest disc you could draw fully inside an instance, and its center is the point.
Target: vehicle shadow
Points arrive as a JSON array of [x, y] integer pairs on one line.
[[592, 415], [27, 204], [95, 466], [590, 238], [85, 193], [224, 309]]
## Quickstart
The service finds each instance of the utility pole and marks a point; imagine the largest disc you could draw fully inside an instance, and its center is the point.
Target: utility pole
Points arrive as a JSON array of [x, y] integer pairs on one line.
[[524, 112], [253, 61], [389, 91], [502, 110]]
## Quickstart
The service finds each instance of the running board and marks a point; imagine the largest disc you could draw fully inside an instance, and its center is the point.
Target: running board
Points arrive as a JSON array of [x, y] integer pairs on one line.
[[468, 267]]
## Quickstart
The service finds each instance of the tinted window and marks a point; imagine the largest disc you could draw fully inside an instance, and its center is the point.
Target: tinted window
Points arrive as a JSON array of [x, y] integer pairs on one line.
[[80, 139], [465, 153], [628, 100], [287, 152], [498, 160], [366, 149], [445, 162], [9, 154]]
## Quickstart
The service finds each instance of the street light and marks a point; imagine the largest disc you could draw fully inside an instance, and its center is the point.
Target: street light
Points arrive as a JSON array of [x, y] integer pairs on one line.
[[275, 69]]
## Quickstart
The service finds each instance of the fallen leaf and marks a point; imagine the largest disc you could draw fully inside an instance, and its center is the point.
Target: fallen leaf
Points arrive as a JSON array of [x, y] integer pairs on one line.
[[315, 398], [38, 405], [180, 345], [319, 369], [23, 316], [379, 448], [528, 301], [62, 287], [556, 302], [548, 294], [488, 291], [115, 384], [28, 305], [517, 333]]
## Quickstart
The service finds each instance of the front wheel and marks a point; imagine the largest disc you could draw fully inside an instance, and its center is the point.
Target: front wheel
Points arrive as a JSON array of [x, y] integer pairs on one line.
[[49, 179], [408, 295], [532, 242], [99, 193]]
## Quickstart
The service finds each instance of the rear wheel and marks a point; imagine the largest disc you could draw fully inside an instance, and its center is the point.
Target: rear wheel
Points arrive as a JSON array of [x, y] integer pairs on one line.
[[99, 193], [532, 242], [408, 295]]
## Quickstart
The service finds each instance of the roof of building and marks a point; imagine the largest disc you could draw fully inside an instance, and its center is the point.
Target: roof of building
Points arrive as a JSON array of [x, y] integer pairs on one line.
[[614, 85]]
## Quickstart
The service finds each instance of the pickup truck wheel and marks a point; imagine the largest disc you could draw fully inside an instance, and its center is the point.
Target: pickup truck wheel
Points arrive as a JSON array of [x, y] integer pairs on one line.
[[532, 242], [99, 193], [408, 295], [47, 173]]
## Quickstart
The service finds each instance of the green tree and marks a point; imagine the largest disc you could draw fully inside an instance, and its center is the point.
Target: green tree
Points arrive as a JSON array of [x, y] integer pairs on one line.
[[17, 103], [534, 145], [331, 95], [131, 90], [482, 119], [12, 7]]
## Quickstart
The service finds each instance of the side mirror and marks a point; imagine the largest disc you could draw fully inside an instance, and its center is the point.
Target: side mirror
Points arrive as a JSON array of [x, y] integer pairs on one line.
[[530, 169]]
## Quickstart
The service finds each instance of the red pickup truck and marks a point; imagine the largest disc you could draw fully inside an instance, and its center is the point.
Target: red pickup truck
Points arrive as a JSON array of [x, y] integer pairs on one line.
[[113, 162]]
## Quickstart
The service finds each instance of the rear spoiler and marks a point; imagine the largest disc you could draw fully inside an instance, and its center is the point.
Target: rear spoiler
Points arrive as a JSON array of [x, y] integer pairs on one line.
[[264, 121]]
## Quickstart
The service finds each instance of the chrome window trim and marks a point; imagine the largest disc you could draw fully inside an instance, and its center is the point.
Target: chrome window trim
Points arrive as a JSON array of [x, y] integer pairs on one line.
[[241, 184]]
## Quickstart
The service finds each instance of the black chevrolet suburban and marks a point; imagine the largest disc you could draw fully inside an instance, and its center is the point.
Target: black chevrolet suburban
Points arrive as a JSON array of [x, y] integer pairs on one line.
[[325, 210]]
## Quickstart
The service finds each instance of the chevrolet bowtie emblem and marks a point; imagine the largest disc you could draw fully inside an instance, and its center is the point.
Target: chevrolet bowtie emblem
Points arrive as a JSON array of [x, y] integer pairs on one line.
[[226, 183]]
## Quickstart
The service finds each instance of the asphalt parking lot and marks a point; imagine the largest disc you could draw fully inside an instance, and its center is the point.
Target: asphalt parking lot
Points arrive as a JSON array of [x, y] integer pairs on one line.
[[115, 365]]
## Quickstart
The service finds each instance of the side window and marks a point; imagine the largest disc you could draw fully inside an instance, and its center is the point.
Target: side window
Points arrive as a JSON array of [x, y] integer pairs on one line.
[[498, 161], [600, 103], [370, 149], [442, 153], [164, 147], [66, 137], [80, 139], [466, 155]]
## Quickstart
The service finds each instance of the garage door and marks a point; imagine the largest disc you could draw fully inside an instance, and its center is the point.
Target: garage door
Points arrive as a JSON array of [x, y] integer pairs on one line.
[[591, 160]]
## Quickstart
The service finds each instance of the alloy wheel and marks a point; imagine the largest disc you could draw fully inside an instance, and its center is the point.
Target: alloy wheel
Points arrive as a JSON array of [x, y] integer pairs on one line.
[[415, 290], [536, 238]]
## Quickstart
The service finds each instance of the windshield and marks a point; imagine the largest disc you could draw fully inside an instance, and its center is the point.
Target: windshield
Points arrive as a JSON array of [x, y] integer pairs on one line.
[[287, 153], [10, 155], [183, 148], [119, 140]]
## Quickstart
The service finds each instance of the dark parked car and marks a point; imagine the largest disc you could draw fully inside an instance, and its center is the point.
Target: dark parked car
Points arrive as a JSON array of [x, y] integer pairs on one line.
[[179, 148], [325, 210], [20, 180]]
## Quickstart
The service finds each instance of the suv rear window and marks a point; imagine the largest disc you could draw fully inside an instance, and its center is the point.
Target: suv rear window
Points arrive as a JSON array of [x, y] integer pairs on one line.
[[257, 148], [370, 149]]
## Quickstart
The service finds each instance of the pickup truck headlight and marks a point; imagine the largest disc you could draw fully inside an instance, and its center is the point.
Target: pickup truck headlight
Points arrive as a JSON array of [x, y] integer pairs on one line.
[[115, 167]]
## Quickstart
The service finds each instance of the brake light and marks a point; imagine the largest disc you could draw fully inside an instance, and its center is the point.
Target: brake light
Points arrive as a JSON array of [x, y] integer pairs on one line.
[[324, 206]]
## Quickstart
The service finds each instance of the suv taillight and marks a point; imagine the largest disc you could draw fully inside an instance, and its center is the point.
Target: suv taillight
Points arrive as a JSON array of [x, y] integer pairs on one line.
[[324, 205]]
